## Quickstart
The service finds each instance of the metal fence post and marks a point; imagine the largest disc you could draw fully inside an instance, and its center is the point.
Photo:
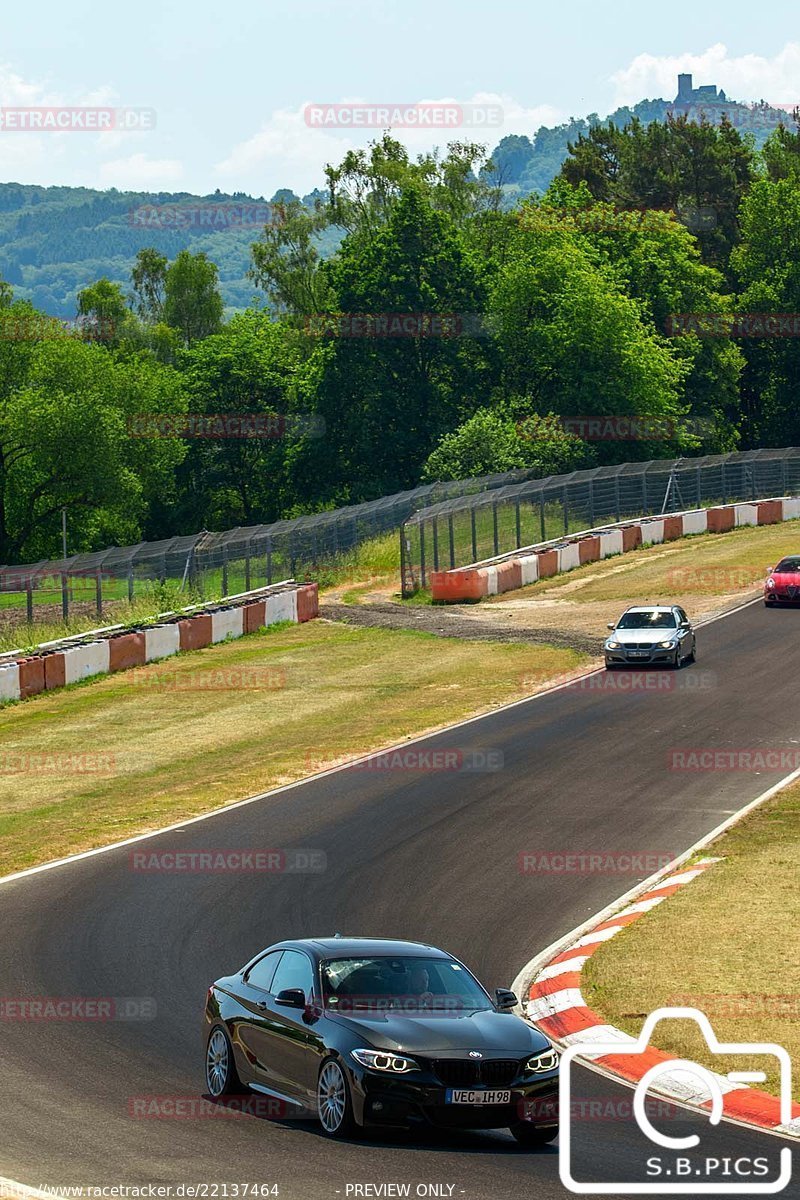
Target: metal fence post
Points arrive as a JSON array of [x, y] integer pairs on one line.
[[494, 528], [566, 513], [64, 596], [435, 524], [247, 568], [269, 560], [452, 540], [98, 592], [474, 530], [518, 521], [225, 571], [541, 515], [591, 503], [130, 585], [616, 497], [29, 599], [422, 553]]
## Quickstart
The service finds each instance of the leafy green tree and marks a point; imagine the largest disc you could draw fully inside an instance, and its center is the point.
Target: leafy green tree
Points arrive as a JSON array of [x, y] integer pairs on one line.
[[149, 277], [493, 441], [192, 303], [104, 304]]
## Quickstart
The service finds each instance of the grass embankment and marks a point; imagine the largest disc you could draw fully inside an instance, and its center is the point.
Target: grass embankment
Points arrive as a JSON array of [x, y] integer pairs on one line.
[[727, 944], [140, 749]]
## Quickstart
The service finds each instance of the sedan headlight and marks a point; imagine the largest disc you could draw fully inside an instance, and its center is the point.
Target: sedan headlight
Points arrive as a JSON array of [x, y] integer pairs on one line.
[[545, 1060], [770, 583], [380, 1060], [670, 645], [612, 645]]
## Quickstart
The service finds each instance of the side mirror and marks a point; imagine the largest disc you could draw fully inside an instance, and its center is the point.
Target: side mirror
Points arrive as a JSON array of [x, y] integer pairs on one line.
[[291, 998], [505, 999], [770, 570], [611, 625]]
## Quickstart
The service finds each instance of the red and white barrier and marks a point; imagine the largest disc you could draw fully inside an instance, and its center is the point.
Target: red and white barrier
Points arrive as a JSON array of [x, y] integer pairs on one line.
[[59, 663], [564, 554]]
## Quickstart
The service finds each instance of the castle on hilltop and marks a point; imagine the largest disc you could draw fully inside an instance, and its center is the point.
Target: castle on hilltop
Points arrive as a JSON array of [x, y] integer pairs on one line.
[[707, 94]]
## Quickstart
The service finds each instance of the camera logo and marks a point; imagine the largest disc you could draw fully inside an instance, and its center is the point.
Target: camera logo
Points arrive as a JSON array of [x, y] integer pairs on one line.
[[683, 1167]]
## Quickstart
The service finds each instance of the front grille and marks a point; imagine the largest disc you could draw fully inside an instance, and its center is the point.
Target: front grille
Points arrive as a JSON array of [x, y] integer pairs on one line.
[[464, 1072]]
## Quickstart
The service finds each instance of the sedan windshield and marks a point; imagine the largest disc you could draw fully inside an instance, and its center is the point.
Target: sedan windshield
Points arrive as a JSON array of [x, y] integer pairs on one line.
[[788, 566], [661, 618], [404, 983]]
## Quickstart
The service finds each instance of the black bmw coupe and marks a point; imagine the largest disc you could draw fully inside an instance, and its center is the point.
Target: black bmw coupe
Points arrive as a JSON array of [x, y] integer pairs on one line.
[[363, 1031]]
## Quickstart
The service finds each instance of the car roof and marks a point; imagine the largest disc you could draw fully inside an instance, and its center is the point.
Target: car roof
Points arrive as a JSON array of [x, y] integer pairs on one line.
[[643, 608], [357, 947]]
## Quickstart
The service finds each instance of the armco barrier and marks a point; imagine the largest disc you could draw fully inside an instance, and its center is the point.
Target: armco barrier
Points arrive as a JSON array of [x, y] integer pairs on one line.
[[226, 622], [56, 664], [161, 641], [126, 650], [540, 562]]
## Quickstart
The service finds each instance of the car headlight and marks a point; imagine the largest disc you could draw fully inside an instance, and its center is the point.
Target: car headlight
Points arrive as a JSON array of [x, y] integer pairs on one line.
[[545, 1060], [612, 645], [380, 1060], [770, 583], [670, 645]]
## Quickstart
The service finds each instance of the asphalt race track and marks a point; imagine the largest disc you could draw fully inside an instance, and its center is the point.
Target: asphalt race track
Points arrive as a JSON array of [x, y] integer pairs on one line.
[[429, 856]]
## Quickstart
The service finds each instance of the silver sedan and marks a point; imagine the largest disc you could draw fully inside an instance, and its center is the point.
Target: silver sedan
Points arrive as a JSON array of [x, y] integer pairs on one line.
[[651, 634]]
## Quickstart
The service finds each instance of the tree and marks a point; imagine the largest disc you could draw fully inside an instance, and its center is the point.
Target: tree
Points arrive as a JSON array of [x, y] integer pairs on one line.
[[192, 303], [103, 303], [493, 441], [149, 276]]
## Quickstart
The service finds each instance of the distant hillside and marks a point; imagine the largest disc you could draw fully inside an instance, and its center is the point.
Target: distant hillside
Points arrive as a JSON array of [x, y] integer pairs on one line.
[[56, 240]]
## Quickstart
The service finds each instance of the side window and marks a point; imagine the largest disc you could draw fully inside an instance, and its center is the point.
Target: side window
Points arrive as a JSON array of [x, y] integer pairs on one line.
[[294, 971], [260, 974], [682, 615]]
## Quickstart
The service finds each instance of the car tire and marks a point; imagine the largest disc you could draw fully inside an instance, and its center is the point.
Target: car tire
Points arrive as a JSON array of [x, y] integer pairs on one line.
[[677, 660], [533, 1137], [334, 1104], [693, 655], [222, 1078]]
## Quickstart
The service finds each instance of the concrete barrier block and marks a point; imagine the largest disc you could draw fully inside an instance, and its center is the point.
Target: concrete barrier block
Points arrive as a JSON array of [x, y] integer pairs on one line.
[[195, 632], [491, 580], [9, 682], [54, 671], [161, 641], [746, 514], [695, 521], [529, 565], [791, 508], [610, 543], [467, 584], [673, 528], [82, 661], [569, 556], [652, 532], [307, 602], [127, 650], [770, 512], [509, 576], [548, 563], [282, 606], [720, 520], [589, 549], [254, 616], [227, 622], [631, 537], [31, 677]]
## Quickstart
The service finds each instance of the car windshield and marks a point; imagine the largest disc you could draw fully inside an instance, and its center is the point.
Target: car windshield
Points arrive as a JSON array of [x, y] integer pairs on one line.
[[659, 618], [788, 566], [401, 983]]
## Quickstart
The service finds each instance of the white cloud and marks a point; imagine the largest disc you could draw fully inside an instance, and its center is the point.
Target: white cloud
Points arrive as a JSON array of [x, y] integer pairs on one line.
[[746, 78], [138, 173], [288, 152]]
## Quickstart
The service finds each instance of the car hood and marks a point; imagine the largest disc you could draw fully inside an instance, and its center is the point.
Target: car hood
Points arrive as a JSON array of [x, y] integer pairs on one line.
[[503, 1034], [786, 579], [649, 637]]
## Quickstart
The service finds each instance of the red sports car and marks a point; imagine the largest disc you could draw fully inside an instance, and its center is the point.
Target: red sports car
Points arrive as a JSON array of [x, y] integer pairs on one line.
[[782, 584]]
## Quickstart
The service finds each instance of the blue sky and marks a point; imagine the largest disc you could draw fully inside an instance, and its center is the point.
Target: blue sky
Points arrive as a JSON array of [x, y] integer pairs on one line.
[[229, 81]]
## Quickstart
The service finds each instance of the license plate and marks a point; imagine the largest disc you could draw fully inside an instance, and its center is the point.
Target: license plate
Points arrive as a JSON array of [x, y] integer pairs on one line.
[[478, 1096], [638, 654]]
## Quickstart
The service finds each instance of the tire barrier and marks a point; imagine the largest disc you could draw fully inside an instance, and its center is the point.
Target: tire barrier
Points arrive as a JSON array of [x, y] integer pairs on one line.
[[540, 562], [102, 652]]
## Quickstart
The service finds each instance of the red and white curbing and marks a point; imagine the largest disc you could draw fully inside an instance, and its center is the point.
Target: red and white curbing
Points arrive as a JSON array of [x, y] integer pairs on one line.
[[57, 664], [556, 1005], [527, 565]]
